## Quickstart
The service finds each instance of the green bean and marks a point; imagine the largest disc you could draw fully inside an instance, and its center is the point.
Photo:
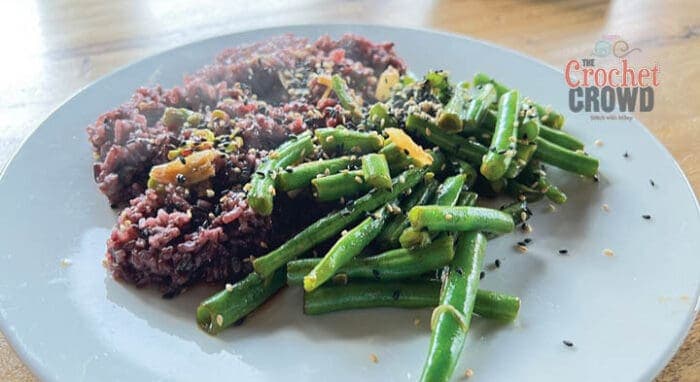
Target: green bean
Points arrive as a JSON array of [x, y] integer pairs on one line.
[[344, 184], [230, 305], [561, 138], [467, 199], [495, 162], [262, 188], [380, 117], [347, 101], [450, 117], [548, 116], [479, 105], [462, 148], [444, 218], [389, 237], [520, 191], [440, 84], [342, 140], [465, 168], [301, 176], [345, 249], [451, 319], [573, 161], [332, 224], [523, 155], [447, 195], [538, 178], [407, 295], [395, 264], [397, 159], [375, 170]]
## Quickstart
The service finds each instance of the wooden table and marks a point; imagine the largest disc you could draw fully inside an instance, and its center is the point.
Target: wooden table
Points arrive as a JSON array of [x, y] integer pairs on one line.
[[53, 48]]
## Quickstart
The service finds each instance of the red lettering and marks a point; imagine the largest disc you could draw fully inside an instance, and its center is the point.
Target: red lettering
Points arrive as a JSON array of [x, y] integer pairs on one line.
[[654, 75], [599, 77], [643, 75], [610, 77], [572, 64], [586, 73], [627, 71]]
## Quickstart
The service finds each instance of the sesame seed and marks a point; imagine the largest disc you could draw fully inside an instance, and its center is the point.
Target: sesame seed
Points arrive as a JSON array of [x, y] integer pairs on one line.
[[608, 252], [651, 181], [605, 208], [375, 273], [468, 373], [373, 357], [229, 287], [523, 216], [448, 216], [66, 263], [263, 244], [482, 275], [526, 228], [646, 217], [220, 320], [497, 263], [272, 190], [563, 251], [524, 244], [626, 154], [358, 179], [521, 248], [180, 178], [428, 132], [396, 294], [416, 321], [329, 139], [568, 343], [344, 232], [210, 193], [598, 142]]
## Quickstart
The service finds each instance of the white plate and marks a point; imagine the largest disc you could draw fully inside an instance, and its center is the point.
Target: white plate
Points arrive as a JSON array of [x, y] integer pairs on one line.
[[626, 314]]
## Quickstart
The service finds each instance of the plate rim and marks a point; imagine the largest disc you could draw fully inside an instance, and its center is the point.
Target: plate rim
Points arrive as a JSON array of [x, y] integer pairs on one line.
[[43, 372]]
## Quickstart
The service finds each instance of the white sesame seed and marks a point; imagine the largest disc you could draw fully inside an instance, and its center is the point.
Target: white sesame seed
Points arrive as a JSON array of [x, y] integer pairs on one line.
[[344, 232], [521, 248], [448, 216], [598, 142], [551, 207], [428, 132], [468, 373], [210, 193], [263, 244], [220, 320], [605, 208], [608, 252], [358, 179], [373, 357], [416, 321], [229, 287], [523, 216], [66, 263]]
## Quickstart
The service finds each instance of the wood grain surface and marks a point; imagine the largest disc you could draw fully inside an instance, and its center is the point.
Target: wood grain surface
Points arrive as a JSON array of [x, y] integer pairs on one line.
[[53, 48]]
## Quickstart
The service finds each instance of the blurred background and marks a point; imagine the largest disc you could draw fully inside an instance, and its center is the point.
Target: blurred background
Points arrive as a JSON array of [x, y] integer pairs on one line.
[[53, 48]]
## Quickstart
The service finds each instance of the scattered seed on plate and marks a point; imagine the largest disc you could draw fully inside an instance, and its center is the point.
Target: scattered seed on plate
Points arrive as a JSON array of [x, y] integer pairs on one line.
[[598, 142], [373, 357], [651, 181], [482, 275], [563, 251], [521, 248], [646, 217], [497, 263], [416, 321], [551, 207], [626, 154], [468, 373], [605, 208], [568, 343], [66, 263], [527, 240], [608, 252]]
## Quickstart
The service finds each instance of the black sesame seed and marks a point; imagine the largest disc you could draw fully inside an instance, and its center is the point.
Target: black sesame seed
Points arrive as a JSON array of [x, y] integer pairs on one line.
[[180, 178], [260, 173], [182, 160], [568, 343], [527, 240], [524, 244], [596, 178], [647, 217], [626, 154], [375, 273], [651, 181], [497, 263], [459, 271], [396, 294], [563, 251], [482, 275]]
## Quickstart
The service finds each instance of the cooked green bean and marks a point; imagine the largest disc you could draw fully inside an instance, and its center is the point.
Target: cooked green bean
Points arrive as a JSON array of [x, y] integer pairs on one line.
[[395, 264], [375, 170], [332, 224], [406, 294], [520, 191], [414, 238], [451, 318], [230, 305], [503, 144], [565, 159], [262, 183], [442, 218], [346, 141], [389, 237], [440, 84], [484, 97], [548, 116], [561, 138], [345, 249], [456, 145], [379, 116], [450, 117], [300, 176], [395, 157], [535, 176], [347, 101], [344, 184], [525, 152]]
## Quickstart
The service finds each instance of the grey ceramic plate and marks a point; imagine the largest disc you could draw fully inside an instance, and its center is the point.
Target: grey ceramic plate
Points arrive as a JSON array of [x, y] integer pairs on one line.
[[626, 314]]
